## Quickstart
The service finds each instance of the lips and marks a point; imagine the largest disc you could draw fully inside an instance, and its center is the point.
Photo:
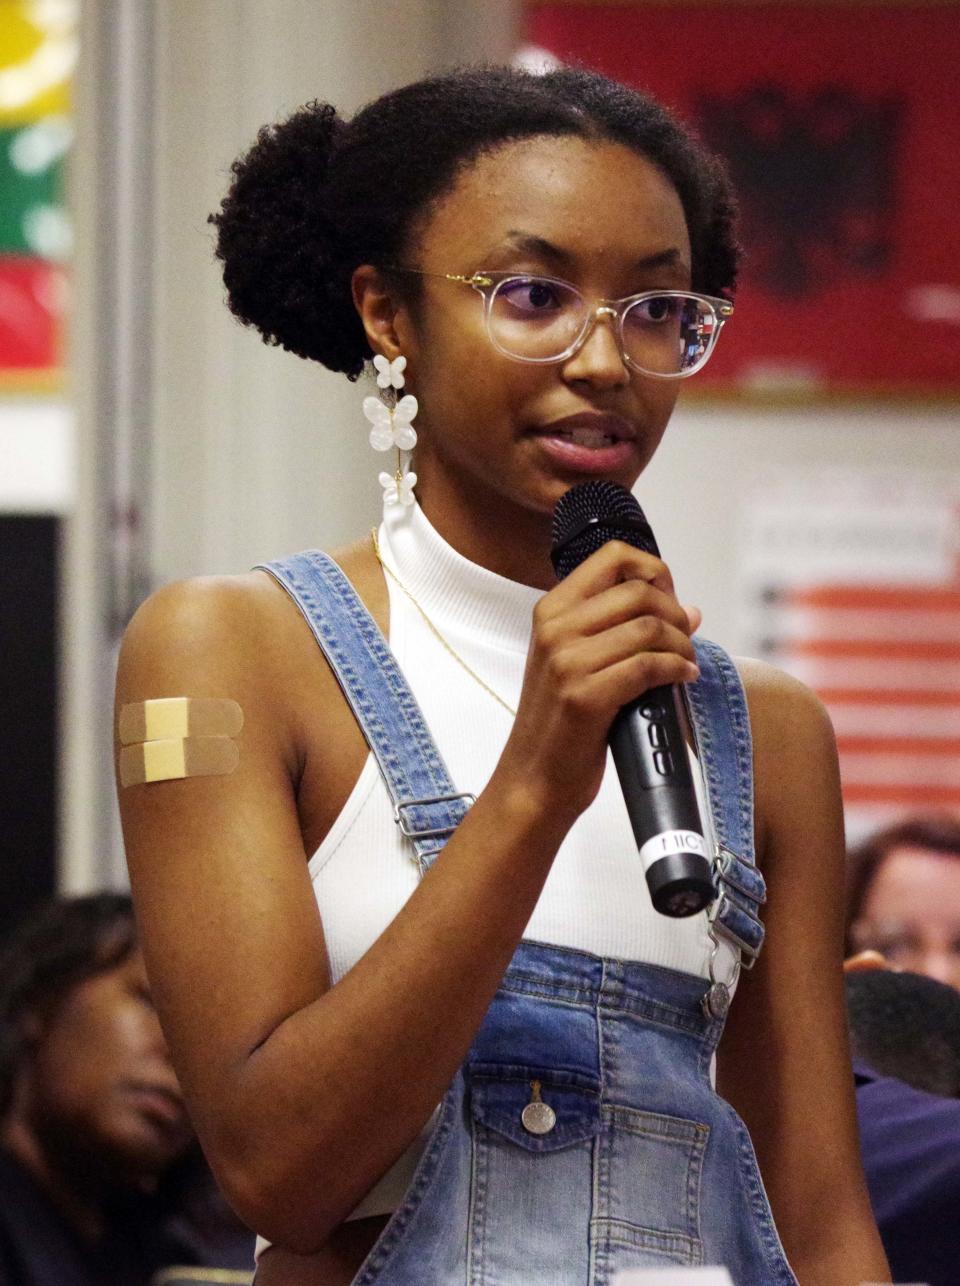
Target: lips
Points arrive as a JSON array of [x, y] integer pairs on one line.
[[591, 429], [161, 1104], [589, 443]]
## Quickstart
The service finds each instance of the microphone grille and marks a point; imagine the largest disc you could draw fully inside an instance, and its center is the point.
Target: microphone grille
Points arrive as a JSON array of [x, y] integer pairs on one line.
[[590, 514]]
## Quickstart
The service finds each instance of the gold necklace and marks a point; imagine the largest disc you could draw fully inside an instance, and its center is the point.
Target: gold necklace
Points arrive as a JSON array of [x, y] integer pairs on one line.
[[433, 629]]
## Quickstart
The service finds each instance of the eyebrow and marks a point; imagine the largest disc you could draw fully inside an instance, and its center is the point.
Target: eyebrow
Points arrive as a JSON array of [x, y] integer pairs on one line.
[[529, 244]]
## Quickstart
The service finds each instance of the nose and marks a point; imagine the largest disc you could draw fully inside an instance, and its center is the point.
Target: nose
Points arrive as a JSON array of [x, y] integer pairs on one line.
[[598, 359], [154, 1036]]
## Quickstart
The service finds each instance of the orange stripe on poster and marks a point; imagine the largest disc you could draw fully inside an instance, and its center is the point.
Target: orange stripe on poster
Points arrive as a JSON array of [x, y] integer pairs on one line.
[[888, 697], [900, 746], [884, 649], [898, 598], [904, 796]]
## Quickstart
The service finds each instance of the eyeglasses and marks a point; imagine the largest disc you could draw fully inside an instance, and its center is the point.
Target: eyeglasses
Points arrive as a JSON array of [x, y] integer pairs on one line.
[[909, 946], [668, 334]]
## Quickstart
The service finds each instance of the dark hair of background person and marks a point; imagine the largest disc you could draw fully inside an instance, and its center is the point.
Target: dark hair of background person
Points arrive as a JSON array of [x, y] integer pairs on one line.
[[317, 196], [937, 833], [60, 946], [907, 1026], [57, 948]]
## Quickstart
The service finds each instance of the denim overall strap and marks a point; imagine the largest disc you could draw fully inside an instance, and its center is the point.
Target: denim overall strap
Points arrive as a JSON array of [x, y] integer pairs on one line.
[[426, 805], [721, 725]]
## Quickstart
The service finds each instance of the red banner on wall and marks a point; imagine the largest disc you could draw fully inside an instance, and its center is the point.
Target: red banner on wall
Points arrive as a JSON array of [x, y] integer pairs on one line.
[[841, 128]]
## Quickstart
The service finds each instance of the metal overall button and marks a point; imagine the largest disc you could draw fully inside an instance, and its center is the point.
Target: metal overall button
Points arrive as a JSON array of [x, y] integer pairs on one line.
[[538, 1117], [716, 1003]]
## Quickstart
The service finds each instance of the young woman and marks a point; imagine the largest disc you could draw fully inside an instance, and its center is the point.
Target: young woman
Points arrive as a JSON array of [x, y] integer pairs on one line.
[[550, 255]]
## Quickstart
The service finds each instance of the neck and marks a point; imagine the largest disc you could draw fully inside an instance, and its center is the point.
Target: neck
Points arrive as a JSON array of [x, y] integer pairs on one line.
[[502, 537]]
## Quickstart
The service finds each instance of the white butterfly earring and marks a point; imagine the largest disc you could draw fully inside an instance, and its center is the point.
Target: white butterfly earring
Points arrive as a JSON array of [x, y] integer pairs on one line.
[[391, 427]]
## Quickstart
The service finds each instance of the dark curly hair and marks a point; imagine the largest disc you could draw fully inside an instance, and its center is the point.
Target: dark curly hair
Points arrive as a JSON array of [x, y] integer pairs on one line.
[[906, 1026], [316, 196], [58, 947]]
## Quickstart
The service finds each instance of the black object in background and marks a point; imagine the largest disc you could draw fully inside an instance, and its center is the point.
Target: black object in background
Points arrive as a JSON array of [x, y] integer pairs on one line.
[[646, 738], [29, 578]]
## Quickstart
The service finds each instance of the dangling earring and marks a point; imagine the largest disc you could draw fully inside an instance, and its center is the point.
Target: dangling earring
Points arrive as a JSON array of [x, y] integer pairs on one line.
[[391, 425]]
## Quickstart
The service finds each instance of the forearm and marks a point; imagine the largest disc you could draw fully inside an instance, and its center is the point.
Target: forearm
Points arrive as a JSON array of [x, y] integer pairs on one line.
[[784, 1061], [837, 1244], [340, 1088]]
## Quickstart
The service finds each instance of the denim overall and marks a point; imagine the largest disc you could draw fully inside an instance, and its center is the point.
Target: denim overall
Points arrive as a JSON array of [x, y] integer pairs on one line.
[[581, 1136]]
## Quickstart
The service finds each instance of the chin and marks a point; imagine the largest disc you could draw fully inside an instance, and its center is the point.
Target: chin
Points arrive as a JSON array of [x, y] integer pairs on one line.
[[144, 1150]]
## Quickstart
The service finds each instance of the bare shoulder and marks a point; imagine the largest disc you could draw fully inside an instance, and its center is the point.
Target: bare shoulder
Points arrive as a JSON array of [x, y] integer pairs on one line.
[[778, 702], [796, 774], [244, 638], [236, 637], [230, 612], [224, 622], [211, 627]]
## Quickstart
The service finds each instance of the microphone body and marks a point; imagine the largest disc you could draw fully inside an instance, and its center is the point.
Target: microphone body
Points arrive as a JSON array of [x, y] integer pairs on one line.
[[647, 736]]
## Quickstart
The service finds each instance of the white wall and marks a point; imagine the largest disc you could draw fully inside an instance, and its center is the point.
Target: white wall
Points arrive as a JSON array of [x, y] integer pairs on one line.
[[713, 459], [249, 440], [37, 464]]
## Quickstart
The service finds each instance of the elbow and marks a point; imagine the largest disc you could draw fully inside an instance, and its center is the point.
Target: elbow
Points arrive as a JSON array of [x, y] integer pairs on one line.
[[275, 1196]]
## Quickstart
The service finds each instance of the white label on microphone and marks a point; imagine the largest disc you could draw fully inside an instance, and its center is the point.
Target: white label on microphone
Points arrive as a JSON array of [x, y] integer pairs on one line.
[[668, 843]]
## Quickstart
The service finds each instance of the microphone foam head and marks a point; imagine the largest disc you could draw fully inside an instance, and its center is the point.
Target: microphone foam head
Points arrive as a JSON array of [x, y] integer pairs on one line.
[[590, 514]]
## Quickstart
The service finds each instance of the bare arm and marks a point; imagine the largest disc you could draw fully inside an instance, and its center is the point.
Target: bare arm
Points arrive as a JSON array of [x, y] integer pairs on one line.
[[784, 1061], [304, 1094]]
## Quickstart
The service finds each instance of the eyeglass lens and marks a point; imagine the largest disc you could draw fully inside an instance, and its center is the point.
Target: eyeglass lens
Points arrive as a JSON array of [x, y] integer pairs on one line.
[[539, 319]]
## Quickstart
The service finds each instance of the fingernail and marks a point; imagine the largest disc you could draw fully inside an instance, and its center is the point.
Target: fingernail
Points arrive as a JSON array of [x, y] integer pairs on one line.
[[693, 672]]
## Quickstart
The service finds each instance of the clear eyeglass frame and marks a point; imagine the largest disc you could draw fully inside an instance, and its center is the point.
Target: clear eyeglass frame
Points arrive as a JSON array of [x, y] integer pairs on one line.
[[488, 285]]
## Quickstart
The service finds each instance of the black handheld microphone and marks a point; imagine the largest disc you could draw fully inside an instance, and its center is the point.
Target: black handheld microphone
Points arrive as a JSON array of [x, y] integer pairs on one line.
[[646, 737]]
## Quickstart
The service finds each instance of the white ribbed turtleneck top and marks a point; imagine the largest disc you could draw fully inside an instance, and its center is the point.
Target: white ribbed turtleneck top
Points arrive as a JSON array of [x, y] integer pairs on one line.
[[595, 898]]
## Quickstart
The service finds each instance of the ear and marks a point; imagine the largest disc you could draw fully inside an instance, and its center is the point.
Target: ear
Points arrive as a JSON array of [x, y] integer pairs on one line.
[[385, 318]]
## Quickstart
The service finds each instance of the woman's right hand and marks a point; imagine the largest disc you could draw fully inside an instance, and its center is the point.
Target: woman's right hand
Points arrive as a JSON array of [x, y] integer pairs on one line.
[[609, 632]]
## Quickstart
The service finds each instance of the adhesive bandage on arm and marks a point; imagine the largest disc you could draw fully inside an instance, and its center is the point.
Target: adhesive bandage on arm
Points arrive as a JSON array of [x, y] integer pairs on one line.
[[170, 738], [179, 717]]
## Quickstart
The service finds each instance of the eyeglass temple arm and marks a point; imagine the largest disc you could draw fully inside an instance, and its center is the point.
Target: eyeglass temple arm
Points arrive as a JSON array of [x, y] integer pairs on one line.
[[477, 279]]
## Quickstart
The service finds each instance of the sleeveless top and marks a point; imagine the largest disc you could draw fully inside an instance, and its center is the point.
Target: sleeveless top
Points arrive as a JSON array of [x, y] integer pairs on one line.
[[595, 897]]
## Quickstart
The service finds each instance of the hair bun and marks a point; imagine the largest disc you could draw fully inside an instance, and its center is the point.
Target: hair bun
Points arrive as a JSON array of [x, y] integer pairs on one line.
[[281, 263]]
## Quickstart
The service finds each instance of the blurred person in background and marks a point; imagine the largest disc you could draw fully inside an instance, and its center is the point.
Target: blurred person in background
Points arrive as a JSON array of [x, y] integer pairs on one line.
[[905, 1035], [903, 896], [101, 1180]]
